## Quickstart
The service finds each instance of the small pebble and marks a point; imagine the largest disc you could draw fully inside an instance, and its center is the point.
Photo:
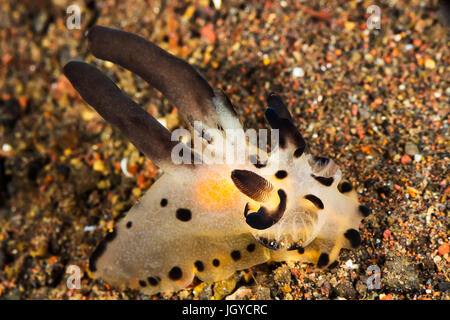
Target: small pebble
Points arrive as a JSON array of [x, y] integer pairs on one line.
[[443, 249], [411, 148], [6, 147], [298, 72], [243, 293], [99, 166], [430, 64]]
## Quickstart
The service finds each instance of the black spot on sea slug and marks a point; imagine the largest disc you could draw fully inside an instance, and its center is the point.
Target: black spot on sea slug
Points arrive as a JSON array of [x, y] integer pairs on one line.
[[345, 187], [236, 255], [251, 247], [153, 281], [199, 265], [175, 273], [281, 174], [301, 250], [142, 283], [353, 236], [259, 165], [295, 246], [163, 202], [269, 244], [129, 224], [216, 262], [256, 162], [316, 201], [184, 214], [365, 211], [324, 259], [321, 161], [324, 180], [299, 151]]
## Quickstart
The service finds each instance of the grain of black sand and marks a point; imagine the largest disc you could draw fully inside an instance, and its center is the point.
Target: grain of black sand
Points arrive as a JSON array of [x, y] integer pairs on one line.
[[376, 101]]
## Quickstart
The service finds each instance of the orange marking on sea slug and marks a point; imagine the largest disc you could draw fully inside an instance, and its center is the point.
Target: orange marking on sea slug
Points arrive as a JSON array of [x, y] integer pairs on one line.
[[216, 192]]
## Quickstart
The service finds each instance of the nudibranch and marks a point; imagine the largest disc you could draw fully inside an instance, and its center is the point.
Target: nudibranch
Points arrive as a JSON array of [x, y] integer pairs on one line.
[[211, 219]]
